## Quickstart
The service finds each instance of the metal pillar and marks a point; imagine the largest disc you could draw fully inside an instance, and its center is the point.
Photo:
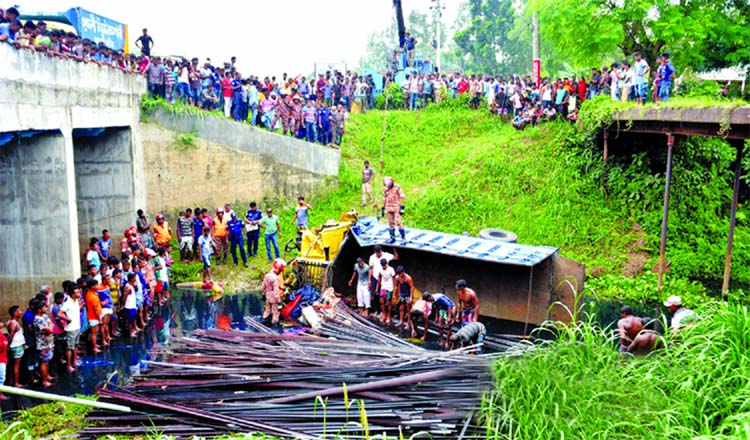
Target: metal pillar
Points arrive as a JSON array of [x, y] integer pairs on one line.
[[606, 145], [665, 215], [740, 146]]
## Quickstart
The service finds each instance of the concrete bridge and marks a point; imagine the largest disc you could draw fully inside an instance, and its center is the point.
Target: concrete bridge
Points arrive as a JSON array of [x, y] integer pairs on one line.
[[73, 162]]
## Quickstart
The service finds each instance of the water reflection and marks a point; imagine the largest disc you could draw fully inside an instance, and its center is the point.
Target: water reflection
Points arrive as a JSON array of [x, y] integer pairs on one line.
[[186, 311]]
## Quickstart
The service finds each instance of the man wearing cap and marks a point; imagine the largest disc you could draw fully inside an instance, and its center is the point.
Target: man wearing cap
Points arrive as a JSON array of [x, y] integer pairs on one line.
[[393, 208], [221, 235], [162, 232], [273, 288], [681, 316], [361, 273], [252, 220], [236, 229], [468, 304], [270, 223]]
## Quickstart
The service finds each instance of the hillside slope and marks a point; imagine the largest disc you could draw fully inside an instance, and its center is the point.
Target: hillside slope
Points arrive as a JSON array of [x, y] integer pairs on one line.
[[462, 170]]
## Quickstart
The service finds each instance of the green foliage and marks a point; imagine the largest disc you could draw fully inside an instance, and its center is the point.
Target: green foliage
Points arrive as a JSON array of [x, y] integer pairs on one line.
[[580, 387], [150, 103], [488, 44], [185, 141], [463, 170], [699, 34], [643, 289], [396, 98], [49, 420]]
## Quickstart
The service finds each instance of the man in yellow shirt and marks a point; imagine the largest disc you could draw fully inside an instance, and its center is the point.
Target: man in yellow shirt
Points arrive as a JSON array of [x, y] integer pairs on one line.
[[221, 236]]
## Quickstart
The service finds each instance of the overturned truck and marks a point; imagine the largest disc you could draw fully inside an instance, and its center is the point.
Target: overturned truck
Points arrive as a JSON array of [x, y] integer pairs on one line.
[[519, 286]]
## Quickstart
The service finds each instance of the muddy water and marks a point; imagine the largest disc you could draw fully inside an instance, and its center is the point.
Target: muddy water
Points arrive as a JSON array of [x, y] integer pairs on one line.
[[187, 311]]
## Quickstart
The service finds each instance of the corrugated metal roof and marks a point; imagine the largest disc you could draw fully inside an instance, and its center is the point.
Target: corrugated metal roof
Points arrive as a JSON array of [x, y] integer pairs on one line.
[[370, 232]]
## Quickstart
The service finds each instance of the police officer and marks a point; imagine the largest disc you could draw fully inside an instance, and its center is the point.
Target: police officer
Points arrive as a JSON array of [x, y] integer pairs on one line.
[[236, 238]]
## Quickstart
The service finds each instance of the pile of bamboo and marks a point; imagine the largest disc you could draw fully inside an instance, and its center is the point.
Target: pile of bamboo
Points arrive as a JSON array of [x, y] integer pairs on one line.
[[351, 381]]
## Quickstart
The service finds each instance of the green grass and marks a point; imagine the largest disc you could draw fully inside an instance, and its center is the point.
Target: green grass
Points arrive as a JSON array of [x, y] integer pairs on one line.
[[49, 420], [462, 170], [579, 387]]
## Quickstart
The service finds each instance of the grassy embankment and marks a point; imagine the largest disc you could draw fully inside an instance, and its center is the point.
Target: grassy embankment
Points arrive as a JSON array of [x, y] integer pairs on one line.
[[462, 170]]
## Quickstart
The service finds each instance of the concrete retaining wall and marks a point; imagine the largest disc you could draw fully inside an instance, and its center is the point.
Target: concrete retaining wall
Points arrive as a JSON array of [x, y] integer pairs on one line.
[[285, 150], [228, 162]]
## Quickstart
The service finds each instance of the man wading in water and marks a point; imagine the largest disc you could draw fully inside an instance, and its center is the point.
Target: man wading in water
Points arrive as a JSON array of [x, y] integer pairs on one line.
[[633, 338]]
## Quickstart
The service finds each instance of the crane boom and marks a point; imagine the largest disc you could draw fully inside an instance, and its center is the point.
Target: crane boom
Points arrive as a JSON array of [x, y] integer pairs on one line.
[[400, 22]]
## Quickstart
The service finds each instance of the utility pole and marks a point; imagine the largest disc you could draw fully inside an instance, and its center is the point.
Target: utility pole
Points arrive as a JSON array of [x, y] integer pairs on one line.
[[437, 17], [536, 62]]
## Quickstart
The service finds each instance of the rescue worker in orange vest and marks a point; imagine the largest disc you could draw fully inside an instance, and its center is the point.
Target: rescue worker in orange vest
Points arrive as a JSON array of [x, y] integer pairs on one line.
[[273, 290], [393, 208], [221, 236], [162, 232]]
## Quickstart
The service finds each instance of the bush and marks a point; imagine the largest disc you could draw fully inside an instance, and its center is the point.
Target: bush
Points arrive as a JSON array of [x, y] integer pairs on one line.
[[396, 98], [580, 387]]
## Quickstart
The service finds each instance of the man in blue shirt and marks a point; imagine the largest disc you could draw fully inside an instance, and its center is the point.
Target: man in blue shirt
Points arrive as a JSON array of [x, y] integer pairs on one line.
[[252, 218], [666, 80], [409, 45], [105, 244], [236, 238], [9, 31], [198, 225], [237, 97], [324, 124]]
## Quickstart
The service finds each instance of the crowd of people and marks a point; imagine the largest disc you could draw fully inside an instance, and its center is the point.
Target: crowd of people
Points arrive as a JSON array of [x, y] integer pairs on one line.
[[316, 109], [115, 296], [522, 101]]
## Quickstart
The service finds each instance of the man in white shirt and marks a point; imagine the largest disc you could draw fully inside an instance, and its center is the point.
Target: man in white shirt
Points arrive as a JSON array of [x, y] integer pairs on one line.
[[375, 267], [681, 316], [70, 313], [385, 289]]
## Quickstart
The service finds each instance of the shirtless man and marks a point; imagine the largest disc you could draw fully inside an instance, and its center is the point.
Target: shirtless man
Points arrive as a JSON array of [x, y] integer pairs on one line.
[[404, 286], [632, 338], [628, 327], [468, 304]]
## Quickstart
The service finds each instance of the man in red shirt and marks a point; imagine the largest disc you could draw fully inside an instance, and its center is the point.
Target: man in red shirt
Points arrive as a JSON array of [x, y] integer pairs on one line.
[[226, 92], [463, 86], [3, 358]]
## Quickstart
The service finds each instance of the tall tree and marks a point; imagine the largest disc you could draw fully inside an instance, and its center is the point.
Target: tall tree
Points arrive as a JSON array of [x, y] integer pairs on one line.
[[586, 33], [489, 43]]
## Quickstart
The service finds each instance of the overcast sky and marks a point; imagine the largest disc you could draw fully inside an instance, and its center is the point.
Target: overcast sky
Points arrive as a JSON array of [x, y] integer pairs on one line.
[[268, 37]]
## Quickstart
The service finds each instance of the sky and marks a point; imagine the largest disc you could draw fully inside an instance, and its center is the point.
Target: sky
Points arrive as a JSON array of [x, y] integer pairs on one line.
[[267, 37]]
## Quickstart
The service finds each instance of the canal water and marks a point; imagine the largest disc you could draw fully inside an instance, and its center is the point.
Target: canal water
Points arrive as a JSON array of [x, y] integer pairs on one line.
[[187, 311]]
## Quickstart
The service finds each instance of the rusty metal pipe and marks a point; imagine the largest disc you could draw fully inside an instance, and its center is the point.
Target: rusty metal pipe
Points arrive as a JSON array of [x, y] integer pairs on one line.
[[370, 386], [740, 146], [665, 214]]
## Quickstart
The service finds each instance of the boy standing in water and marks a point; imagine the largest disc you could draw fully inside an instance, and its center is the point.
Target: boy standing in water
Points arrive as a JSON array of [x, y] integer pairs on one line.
[[17, 341], [45, 345]]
